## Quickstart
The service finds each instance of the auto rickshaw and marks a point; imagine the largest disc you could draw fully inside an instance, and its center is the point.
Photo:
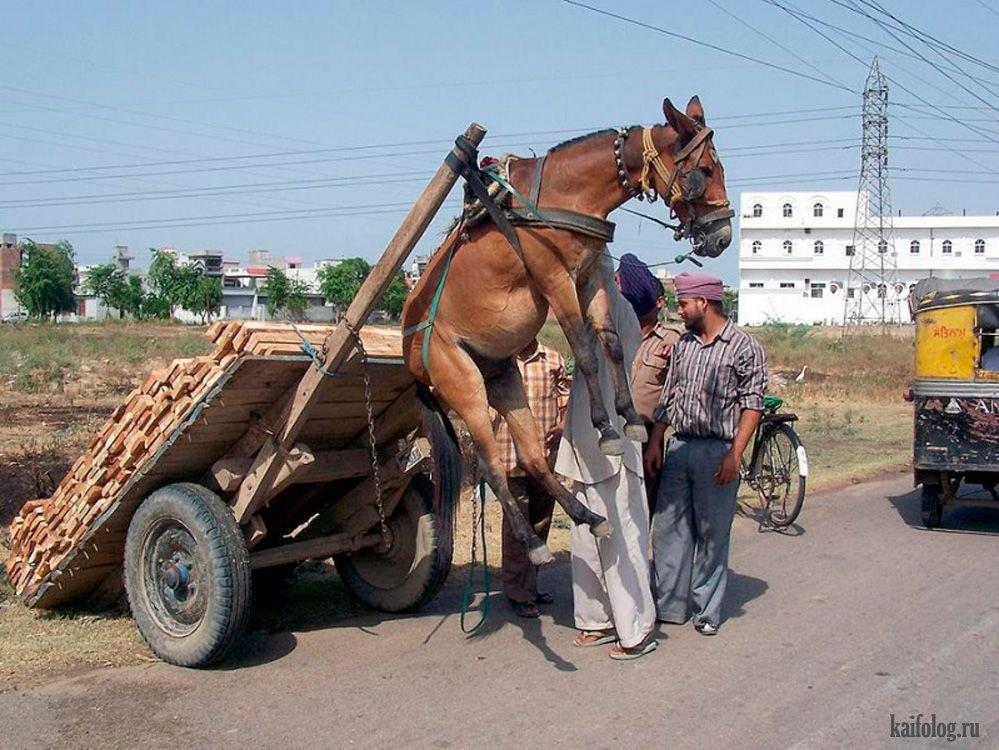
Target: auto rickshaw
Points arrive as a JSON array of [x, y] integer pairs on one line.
[[955, 393]]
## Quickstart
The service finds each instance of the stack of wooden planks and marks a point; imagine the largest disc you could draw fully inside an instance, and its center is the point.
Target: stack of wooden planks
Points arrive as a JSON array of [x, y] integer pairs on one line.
[[48, 530]]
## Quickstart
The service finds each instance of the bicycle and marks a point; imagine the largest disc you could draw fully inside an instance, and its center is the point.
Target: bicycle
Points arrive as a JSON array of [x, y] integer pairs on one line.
[[778, 466]]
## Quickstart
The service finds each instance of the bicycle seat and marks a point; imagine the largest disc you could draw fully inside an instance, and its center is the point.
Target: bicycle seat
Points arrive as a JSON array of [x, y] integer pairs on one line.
[[772, 403]]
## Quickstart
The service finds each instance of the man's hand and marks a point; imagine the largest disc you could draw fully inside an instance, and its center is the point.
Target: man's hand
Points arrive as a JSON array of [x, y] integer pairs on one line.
[[653, 458], [728, 469]]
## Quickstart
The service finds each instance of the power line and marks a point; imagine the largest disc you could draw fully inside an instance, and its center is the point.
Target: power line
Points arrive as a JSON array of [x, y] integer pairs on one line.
[[888, 30], [857, 59], [708, 45]]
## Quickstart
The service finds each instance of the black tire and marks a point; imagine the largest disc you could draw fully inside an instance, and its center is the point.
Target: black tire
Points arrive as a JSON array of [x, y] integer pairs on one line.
[[416, 565], [187, 575], [781, 475], [930, 506]]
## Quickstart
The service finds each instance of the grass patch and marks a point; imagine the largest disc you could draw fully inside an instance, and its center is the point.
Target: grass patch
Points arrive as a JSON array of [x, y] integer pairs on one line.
[[44, 357]]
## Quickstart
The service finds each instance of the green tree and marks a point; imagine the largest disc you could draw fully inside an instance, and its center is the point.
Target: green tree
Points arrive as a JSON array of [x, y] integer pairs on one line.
[[166, 281], [395, 296], [285, 294], [107, 282], [44, 280], [297, 301], [135, 296], [276, 288], [339, 283], [202, 295]]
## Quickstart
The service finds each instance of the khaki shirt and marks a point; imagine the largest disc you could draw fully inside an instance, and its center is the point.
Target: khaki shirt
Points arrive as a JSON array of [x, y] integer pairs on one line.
[[579, 456], [648, 373]]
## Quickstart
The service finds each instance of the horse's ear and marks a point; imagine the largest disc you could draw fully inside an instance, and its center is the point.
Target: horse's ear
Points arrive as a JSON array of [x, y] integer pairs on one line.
[[678, 120], [695, 111]]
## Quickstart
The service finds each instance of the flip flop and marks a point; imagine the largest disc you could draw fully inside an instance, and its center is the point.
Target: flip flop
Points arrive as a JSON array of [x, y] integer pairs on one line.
[[620, 653], [586, 639]]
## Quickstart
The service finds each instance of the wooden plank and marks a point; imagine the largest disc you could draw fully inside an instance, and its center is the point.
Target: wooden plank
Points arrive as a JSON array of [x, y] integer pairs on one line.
[[312, 549]]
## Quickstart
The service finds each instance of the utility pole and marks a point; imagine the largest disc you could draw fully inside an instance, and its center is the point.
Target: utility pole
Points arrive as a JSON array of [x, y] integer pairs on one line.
[[872, 294]]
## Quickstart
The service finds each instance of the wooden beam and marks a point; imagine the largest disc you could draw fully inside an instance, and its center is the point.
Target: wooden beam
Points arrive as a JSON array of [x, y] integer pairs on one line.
[[326, 466], [312, 549], [340, 344]]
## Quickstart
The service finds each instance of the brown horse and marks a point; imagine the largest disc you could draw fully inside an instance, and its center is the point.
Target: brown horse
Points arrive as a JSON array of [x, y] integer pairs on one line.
[[496, 297]]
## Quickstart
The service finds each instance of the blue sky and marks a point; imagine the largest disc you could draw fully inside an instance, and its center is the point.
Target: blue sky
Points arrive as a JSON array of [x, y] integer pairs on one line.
[[227, 116]]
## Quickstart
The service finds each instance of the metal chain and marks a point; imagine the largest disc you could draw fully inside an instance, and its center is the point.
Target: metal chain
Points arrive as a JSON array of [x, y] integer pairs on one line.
[[371, 428]]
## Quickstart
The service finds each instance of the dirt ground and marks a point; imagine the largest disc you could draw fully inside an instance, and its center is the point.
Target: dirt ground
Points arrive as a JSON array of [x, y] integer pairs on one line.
[[58, 383]]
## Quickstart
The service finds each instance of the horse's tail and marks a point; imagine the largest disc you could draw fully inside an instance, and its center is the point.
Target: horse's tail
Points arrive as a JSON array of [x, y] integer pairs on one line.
[[447, 466]]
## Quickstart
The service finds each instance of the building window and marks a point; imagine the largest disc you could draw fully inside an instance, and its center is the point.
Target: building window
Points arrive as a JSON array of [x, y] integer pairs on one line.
[[851, 250], [817, 210], [979, 247], [788, 247], [757, 245], [882, 246], [851, 293], [839, 213], [787, 285], [755, 284], [818, 290], [948, 247], [819, 247], [788, 212], [757, 210], [914, 247]]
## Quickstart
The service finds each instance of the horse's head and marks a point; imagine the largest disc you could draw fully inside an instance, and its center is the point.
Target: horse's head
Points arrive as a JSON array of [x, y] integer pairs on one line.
[[695, 185]]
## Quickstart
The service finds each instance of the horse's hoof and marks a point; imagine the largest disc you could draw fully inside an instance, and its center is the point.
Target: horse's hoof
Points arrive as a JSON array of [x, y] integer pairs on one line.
[[540, 555], [611, 445], [602, 530], [637, 432]]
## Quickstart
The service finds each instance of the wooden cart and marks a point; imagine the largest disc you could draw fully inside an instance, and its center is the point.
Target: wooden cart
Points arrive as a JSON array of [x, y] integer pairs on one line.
[[282, 446]]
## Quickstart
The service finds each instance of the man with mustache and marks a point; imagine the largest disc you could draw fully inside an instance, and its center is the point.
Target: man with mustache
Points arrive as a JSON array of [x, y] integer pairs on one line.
[[713, 399]]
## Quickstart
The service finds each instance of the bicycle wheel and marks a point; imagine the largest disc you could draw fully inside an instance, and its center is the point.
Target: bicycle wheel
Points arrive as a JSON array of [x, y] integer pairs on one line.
[[781, 472]]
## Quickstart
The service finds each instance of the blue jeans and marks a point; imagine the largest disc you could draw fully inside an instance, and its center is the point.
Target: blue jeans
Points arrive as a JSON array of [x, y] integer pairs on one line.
[[690, 532]]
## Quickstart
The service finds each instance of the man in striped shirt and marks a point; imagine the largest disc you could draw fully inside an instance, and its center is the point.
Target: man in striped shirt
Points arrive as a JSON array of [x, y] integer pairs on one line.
[[713, 399]]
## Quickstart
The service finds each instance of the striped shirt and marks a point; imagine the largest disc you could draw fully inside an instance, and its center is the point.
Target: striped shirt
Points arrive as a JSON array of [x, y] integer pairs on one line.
[[709, 385], [546, 384]]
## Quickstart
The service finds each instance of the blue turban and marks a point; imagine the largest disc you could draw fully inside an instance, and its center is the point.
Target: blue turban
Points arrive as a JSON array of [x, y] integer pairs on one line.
[[638, 285]]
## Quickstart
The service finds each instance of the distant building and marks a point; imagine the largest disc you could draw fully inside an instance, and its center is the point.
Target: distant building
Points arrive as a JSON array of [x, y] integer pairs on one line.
[[10, 261], [795, 248]]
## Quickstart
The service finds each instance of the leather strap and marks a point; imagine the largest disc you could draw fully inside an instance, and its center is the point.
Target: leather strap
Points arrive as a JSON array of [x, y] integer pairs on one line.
[[562, 218]]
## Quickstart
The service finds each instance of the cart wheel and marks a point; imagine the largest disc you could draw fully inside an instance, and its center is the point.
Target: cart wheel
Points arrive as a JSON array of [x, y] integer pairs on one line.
[[415, 566], [187, 575], [932, 508]]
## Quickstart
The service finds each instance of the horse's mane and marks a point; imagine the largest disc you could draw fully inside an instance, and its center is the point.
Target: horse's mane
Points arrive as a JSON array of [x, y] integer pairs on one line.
[[580, 139]]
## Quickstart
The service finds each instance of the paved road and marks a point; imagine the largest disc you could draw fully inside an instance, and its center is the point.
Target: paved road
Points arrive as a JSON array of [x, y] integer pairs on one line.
[[862, 615]]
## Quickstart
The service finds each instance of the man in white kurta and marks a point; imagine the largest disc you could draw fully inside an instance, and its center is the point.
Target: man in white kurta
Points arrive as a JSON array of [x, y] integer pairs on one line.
[[611, 588]]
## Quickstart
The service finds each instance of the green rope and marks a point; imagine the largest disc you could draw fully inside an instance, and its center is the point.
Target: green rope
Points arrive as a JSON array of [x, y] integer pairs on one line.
[[466, 599]]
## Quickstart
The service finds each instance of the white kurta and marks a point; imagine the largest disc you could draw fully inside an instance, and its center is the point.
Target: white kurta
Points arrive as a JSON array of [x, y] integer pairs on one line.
[[610, 576]]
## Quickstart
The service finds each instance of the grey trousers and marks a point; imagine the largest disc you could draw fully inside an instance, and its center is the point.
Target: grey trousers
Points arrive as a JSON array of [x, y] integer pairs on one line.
[[690, 532]]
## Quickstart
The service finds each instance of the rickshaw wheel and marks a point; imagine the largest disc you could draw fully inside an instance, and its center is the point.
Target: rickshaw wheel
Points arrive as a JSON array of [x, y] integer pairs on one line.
[[932, 508], [411, 571], [187, 575]]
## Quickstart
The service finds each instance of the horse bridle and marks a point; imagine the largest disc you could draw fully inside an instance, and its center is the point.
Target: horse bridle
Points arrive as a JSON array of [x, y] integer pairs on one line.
[[682, 185]]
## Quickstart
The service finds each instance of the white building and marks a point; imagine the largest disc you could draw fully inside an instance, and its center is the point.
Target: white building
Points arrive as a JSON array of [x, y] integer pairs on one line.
[[794, 254]]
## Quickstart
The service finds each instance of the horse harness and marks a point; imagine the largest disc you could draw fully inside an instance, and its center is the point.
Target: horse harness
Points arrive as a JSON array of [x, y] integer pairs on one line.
[[484, 200], [682, 186]]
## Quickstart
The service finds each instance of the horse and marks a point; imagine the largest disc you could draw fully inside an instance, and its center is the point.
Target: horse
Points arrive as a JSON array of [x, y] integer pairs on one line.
[[487, 297]]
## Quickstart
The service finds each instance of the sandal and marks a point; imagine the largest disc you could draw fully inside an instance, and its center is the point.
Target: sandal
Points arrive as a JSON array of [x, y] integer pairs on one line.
[[591, 638], [621, 653]]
